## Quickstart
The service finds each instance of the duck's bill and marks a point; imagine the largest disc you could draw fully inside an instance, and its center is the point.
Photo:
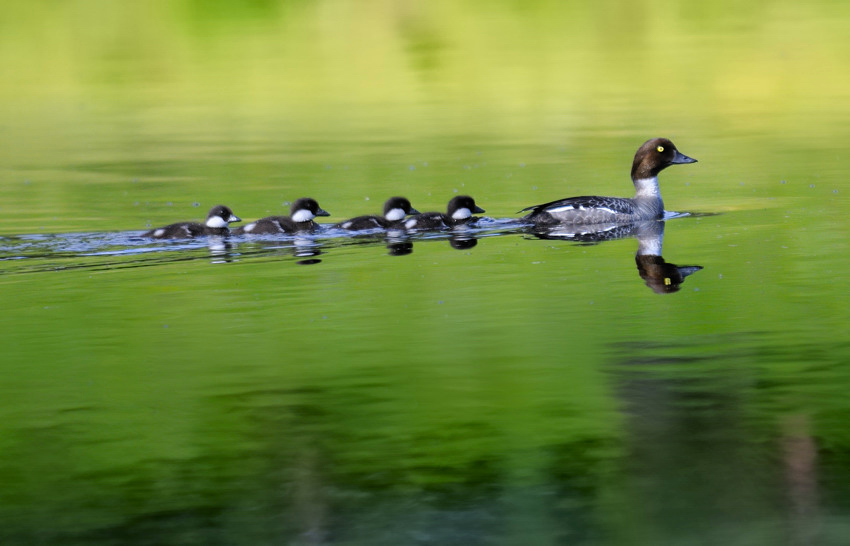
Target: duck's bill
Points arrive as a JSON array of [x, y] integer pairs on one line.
[[478, 210], [682, 158], [234, 218], [322, 212]]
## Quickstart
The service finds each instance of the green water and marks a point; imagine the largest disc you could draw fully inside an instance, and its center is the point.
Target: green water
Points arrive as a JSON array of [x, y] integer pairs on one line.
[[514, 391]]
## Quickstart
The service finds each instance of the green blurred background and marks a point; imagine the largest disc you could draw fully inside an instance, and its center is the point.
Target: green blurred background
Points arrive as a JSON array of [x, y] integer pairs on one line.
[[106, 107]]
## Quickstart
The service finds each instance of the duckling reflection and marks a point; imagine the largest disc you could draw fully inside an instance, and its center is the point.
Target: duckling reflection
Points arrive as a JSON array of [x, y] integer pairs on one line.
[[221, 250], [463, 241], [305, 249], [659, 275], [399, 242]]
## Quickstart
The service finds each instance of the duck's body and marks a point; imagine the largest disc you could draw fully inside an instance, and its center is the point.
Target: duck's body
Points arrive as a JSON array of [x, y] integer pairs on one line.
[[301, 220], [395, 209], [216, 223], [458, 213], [651, 158], [277, 224]]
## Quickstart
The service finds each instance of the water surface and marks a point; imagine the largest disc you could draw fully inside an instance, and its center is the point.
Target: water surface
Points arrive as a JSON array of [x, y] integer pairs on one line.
[[490, 388]]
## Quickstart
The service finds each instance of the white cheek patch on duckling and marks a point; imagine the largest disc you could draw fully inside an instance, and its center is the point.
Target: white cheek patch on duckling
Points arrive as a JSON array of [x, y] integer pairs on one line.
[[461, 214], [394, 215], [303, 215], [346, 225], [216, 222]]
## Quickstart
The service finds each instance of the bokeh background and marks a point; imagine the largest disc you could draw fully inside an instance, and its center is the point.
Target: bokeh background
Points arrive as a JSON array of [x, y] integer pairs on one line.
[[108, 104]]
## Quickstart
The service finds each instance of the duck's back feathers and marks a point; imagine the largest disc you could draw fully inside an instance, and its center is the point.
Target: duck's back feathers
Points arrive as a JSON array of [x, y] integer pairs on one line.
[[217, 221], [459, 212], [428, 220], [289, 225], [586, 209], [395, 209], [271, 225], [364, 222], [263, 226], [181, 230]]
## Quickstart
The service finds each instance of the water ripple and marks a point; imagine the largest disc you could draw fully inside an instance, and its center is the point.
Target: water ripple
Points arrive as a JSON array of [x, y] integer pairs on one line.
[[128, 249]]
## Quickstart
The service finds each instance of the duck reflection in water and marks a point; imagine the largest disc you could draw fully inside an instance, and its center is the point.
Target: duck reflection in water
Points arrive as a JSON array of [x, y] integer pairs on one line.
[[399, 243], [662, 277], [305, 248], [463, 241], [221, 250]]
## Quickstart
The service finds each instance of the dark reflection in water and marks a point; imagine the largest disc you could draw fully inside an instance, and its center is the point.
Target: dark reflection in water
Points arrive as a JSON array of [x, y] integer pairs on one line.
[[463, 242], [699, 454], [399, 248], [400, 242], [313, 476], [304, 248], [693, 457], [306, 251], [689, 468], [382, 489], [221, 252], [662, 277]]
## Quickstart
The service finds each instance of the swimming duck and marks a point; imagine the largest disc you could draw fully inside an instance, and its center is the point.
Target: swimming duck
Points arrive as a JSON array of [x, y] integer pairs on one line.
[[458, 212], [652, 157], [216, 223], [301, 216], [395, 209]]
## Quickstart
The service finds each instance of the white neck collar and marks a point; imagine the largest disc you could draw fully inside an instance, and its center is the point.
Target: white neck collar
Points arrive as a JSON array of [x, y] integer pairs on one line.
[[647, 187]]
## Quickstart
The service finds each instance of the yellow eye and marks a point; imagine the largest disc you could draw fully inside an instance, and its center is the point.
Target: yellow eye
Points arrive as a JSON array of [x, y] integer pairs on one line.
[[660, 148]]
